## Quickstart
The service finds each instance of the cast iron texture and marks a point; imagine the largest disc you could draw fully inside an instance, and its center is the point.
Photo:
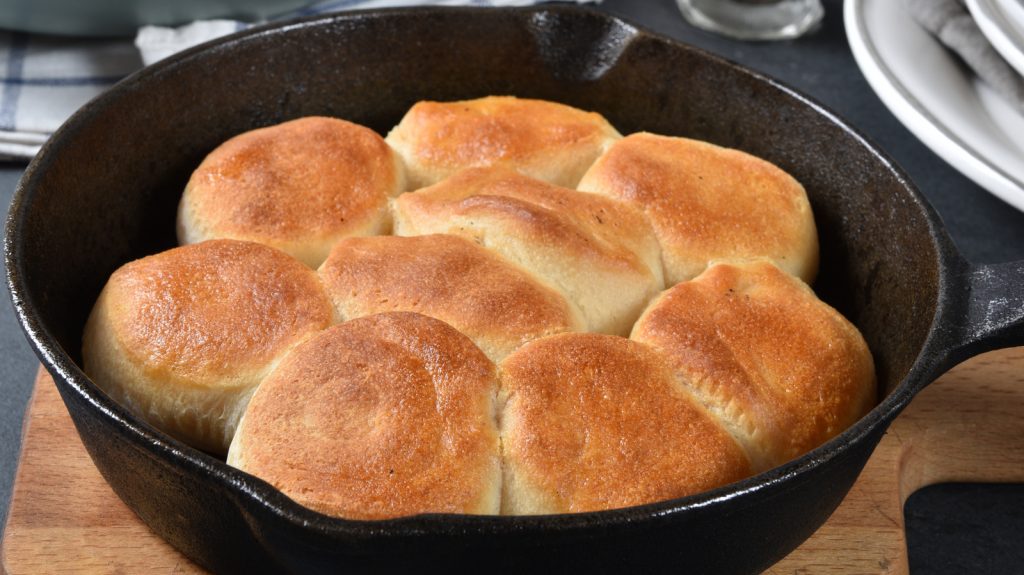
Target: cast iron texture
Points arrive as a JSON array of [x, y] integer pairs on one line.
[[104, 191]]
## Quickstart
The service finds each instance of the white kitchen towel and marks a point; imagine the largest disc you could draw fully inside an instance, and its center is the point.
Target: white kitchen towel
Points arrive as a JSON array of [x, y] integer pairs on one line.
[[44, 79]]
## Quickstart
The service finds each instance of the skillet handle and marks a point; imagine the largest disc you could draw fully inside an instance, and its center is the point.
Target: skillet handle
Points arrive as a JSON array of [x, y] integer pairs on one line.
[[990, 311]]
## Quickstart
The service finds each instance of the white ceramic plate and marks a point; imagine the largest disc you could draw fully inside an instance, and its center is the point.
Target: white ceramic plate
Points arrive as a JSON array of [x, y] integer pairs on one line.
[[931, 92], [1002, 22]]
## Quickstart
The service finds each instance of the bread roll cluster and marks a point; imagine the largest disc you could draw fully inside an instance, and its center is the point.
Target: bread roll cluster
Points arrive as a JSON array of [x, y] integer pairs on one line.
[[503, 307]]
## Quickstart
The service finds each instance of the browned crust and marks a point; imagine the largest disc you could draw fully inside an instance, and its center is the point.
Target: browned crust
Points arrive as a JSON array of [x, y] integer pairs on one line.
[[548, 140], [784, 369], [183, 337], [709, 203], [297, 182], [598, 422], [382, 416], [586, 225], [498, 305], [600, 253], [202, 314]]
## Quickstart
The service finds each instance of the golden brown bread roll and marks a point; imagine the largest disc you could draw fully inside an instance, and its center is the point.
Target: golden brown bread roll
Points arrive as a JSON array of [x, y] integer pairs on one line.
[[298, 186], [546, 140], [381, 416], [781, 368], [710, 203], [599, 253], [183, 337], [497, 304], [593, 422]]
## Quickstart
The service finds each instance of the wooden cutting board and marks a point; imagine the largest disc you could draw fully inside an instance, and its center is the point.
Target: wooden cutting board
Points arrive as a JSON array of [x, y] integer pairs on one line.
[[967, 426]]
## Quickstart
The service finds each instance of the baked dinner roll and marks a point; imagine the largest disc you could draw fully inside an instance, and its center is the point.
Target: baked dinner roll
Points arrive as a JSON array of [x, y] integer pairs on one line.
[[781, 368], [181, 338], [497, 304], [549, 141], [599, 253], [709, 203], [594, 422], [298, 186], [382, 416]]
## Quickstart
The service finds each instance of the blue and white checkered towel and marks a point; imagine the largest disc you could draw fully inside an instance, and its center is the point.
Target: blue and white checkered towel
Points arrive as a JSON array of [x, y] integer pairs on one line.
[[44, 79]]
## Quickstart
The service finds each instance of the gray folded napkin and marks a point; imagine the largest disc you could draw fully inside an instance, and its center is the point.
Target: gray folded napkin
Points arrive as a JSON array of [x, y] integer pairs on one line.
[[953, 25]]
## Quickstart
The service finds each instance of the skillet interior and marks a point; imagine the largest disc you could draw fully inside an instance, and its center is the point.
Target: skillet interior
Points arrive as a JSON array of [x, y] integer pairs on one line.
[[104, 191]]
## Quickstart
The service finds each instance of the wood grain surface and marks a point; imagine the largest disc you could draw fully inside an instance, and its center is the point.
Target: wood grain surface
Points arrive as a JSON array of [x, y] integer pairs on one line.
[[967, 426]]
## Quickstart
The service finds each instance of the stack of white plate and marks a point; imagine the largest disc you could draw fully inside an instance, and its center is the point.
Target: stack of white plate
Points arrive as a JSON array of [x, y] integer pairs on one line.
[[937, 97], [1002, 22]]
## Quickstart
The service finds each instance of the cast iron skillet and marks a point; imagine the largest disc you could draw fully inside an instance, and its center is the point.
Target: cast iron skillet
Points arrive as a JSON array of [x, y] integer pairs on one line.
[[104, 190]]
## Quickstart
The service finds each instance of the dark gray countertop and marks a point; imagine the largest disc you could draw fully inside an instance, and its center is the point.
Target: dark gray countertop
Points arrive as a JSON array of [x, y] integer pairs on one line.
[[952, 529]]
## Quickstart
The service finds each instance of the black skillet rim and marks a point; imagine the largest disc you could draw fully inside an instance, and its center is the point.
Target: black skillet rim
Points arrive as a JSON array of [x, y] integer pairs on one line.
[[251, 490]]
